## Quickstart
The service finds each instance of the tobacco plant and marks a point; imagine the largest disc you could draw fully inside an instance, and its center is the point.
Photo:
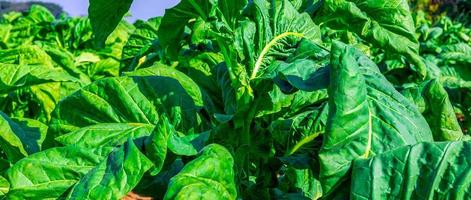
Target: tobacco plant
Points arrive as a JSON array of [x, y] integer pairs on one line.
[[225, 99]]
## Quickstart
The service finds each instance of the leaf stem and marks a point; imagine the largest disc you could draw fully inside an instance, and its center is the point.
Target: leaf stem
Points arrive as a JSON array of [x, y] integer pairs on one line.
[[303, 142], [268, 47]]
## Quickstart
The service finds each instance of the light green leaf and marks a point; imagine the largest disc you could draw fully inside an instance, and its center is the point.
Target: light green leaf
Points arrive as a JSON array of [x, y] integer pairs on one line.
[[4, 187], [50, 173], [26, 55], [13, 77], [180, 146], [367, 116], [125, 102], [210, 176], [106, 134]]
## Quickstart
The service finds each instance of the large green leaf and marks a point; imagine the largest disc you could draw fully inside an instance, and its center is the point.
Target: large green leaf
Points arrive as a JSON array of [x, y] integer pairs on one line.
[[423, 171], [113, 109], [20, 137], [106, 16], [13, 77], [166, 71], [115, 176], [367, 116], [50, 173], [210, 176], [26, 55], [106, 134], [388, 24]]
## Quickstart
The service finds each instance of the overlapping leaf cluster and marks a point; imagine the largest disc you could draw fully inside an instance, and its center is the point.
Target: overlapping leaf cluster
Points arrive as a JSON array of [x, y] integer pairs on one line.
[[221, 99]]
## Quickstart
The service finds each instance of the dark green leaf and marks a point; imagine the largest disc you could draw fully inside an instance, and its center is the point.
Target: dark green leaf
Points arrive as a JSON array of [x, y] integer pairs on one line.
[[367, 116], [106, 16], [422, 171]]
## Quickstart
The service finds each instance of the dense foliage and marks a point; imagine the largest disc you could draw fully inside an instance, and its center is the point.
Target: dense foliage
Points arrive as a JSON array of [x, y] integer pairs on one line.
[[225, 99]]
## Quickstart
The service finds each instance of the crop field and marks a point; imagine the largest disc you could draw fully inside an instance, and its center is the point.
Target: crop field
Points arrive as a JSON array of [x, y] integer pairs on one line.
[[238, 100]]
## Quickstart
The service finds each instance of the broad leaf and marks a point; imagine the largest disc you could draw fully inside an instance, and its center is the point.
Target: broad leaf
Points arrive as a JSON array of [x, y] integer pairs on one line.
[[367, 116], [106, 134], [388, 24], [276, 29], [50, 173], [26, 55], [106, 16], [13, 77], [423, 171], [126, 101], [20, 138], [141, 44], [211, 176], [176, 18], [115, 176], [437, 110], [156, 144]]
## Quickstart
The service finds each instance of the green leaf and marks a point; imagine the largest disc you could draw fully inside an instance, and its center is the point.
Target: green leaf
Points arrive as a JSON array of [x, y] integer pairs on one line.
[[156, 144], [13, 77], [301, 74], [106, 16], [209, 176], [387, 24], [115, 176], [50, 173], [176, 18], [141, 43], [437, 110], [423, 171], [4, 187], [278, 28], [166, 71], [367, 116], [299, 130], [112, 109], [106, 134], [21, 137], [299, 184], [26, 55], [231, 10], [180, 146]]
